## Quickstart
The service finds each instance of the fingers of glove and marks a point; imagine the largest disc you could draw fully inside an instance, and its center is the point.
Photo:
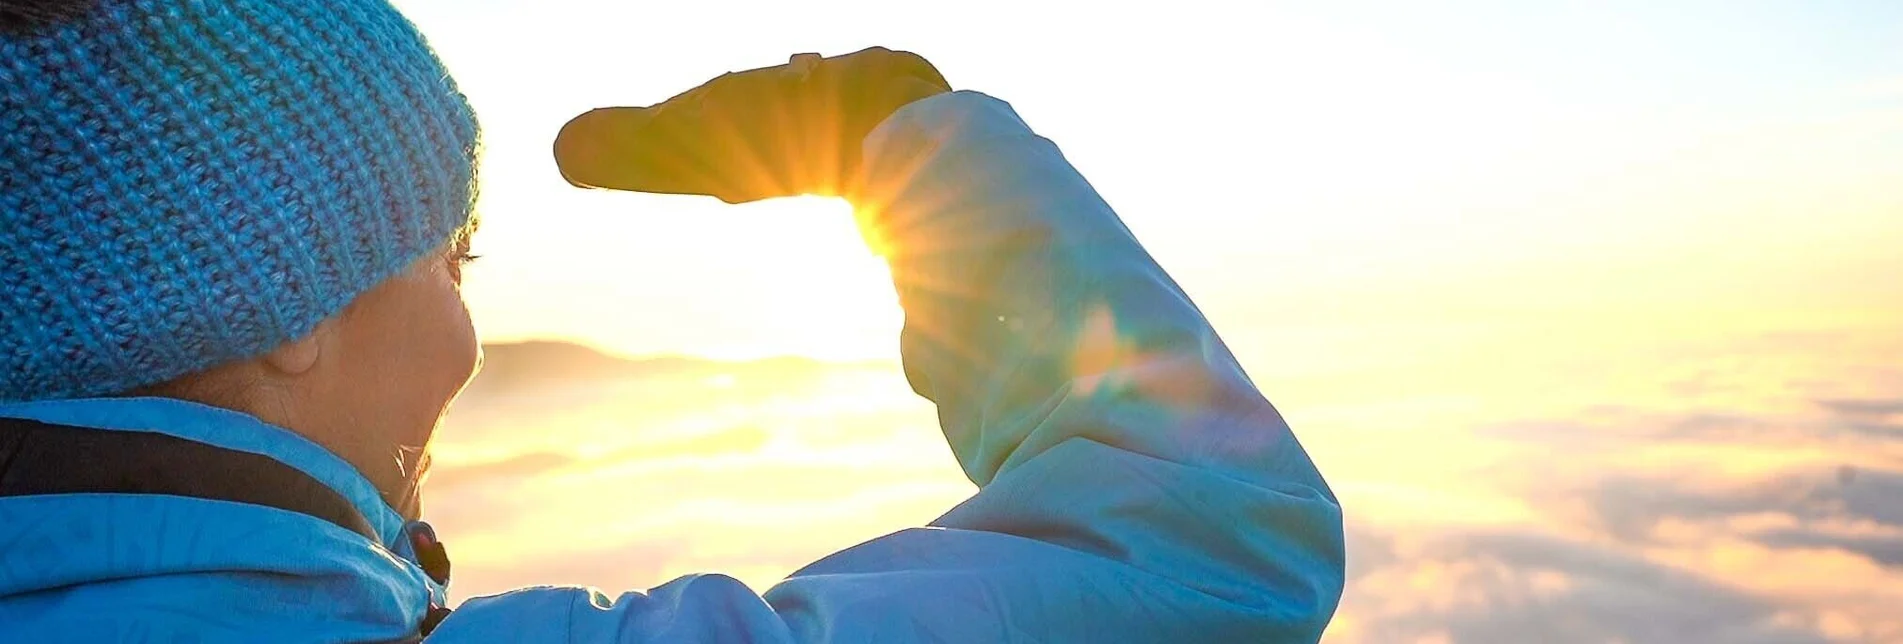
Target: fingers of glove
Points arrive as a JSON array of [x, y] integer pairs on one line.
[[628, 148], [590, 149], [750, 135], [701, 142], [733, 125]]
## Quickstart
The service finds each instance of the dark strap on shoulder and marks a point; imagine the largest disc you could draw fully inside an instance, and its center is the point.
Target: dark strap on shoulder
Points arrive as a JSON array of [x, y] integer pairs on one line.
[[40, 458]]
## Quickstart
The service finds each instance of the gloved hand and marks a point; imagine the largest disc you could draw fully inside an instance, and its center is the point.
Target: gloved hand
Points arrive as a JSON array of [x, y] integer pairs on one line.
[[772, 132]]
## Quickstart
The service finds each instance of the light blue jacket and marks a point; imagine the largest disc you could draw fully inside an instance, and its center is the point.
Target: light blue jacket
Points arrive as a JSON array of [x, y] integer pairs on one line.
[[1134, 485]]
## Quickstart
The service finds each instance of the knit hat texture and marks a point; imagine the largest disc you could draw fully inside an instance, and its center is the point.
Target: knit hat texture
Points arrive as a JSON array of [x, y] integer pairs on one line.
[[189, 182]]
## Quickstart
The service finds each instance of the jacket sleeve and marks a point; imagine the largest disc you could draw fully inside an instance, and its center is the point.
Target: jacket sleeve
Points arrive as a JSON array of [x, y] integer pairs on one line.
[[1133, 483]]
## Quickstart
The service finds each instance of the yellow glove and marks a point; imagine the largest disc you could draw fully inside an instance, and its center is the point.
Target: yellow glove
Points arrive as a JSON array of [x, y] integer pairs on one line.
[[771, 132]]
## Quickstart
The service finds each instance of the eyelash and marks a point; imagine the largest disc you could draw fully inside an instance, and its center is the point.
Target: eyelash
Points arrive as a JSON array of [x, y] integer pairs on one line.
[[464, 259]]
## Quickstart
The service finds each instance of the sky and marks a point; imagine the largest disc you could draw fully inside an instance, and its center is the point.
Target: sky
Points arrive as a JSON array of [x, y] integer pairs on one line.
[[1342, 160], [1588, 311]]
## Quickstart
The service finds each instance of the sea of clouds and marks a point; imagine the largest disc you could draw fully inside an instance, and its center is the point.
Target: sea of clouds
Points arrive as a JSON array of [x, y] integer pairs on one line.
[[1744, 488]]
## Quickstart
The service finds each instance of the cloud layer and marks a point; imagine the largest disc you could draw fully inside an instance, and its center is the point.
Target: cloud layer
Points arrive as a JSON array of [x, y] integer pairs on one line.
[[1752, 492]]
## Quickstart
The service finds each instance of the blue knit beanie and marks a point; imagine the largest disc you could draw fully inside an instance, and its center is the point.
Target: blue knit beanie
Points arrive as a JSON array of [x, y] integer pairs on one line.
[[189, 182]]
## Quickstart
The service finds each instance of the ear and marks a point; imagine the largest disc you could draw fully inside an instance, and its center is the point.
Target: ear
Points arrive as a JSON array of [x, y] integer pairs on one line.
[[299, 356]]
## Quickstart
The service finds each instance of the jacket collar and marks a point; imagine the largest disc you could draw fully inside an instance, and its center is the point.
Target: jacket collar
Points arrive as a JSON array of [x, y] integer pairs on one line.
[[121, 563], [230, 430]]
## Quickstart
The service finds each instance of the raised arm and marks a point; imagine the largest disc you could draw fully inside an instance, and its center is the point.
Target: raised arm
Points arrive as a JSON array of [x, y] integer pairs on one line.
[[1134, 486], [1133, 482]]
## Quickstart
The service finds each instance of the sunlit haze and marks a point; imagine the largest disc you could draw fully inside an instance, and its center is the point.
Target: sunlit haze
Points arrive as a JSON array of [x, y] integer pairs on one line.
[[1589, 313]]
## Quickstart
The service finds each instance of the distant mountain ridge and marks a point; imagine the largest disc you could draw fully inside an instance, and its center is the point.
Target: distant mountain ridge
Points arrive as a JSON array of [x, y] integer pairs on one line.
[[543, 358], [520, 363]]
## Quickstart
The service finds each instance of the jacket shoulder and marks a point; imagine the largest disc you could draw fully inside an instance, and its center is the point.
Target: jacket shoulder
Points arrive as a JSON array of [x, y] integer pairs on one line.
[[695, 608]]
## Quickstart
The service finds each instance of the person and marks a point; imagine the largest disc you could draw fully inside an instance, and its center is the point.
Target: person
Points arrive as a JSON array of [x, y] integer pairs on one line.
[[231, 238]]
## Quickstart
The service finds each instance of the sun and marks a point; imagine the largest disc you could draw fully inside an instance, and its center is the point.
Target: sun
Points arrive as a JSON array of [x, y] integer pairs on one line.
[[827, 295]]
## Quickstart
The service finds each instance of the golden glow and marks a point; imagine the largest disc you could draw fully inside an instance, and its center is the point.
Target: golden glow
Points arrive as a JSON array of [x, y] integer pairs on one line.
[[1557, 328]]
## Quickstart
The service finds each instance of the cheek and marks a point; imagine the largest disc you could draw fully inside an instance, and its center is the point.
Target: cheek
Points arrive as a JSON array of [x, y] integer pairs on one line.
[[427, 349], [455, 351], [469, 353]]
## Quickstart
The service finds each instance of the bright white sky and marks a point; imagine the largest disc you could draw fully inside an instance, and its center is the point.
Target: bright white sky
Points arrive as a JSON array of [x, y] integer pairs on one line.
[[1291, 163]]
